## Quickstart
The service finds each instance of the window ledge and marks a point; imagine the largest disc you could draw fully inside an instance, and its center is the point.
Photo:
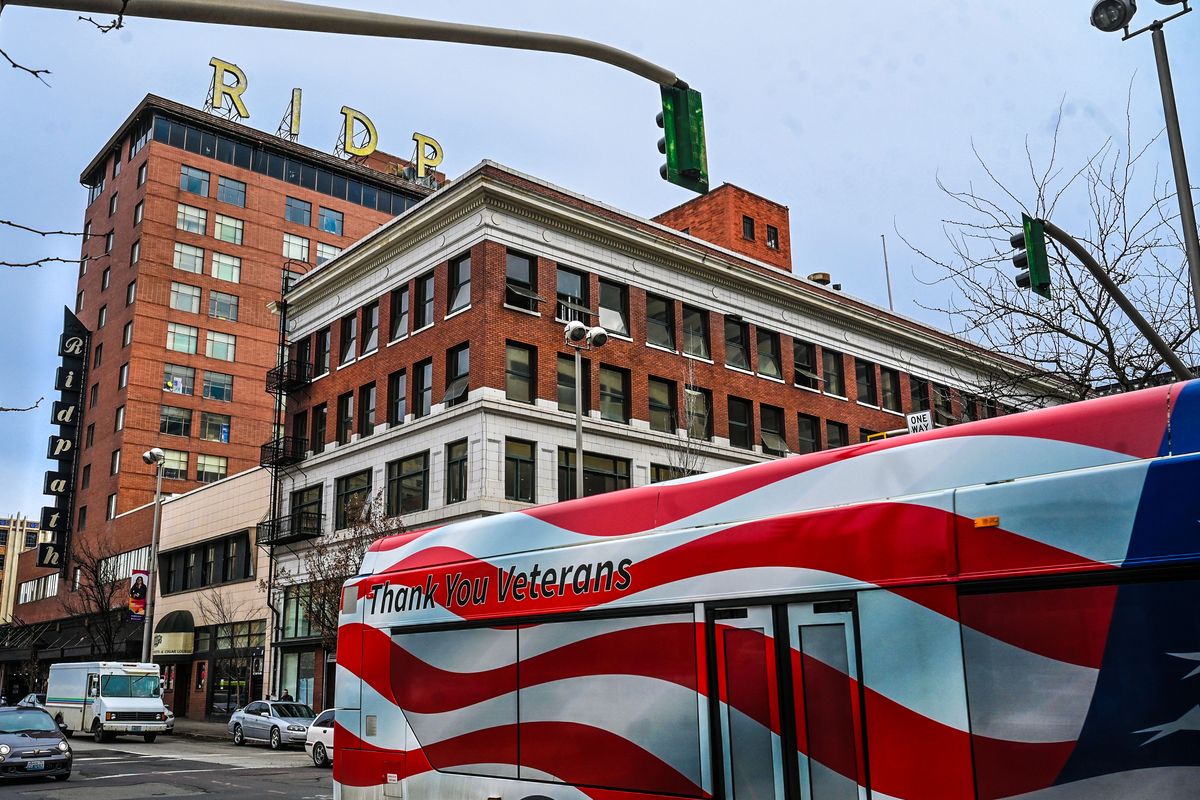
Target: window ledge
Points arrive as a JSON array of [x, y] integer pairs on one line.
[[868, 405], [422, 328], [738, 369], [345, 364], [660, 347], [890, 411], [835, 396], [370, 352], [620, 336], [701, 359], [457, 312], [807, 388], [522, 310], [397, 340], [772, 380]]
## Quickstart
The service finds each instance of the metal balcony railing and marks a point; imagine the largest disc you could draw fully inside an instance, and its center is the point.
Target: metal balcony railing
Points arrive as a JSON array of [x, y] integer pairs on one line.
[[289, 376], [283, 452], [294, 527]]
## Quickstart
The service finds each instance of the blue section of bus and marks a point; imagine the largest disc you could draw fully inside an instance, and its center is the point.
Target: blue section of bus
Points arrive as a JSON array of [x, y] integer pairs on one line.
[[1183, 433], [1145, 710], [1167, 526]]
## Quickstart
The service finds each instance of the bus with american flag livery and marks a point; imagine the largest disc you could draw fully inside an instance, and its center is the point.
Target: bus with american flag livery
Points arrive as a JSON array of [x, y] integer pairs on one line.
[[1006, 608]]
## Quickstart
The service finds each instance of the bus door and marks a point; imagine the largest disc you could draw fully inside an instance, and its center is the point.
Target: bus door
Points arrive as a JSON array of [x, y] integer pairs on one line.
[[790, 719]]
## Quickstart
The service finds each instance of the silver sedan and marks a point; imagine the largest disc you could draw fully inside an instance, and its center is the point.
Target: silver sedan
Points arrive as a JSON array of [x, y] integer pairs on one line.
[[277, 723]]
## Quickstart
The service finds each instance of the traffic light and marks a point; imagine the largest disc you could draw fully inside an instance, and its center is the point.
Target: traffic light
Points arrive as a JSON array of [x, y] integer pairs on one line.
[[682, 121], [1031, 256]]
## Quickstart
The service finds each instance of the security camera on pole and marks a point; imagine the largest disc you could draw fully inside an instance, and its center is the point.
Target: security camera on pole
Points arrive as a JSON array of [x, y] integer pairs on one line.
[[580, 337], [155, 457]]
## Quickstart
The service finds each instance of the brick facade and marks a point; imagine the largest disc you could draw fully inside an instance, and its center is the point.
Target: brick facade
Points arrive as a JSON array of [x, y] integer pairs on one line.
[[719, 217]]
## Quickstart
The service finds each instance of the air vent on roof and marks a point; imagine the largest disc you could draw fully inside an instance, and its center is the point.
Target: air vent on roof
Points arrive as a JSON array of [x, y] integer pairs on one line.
[[820, 277]]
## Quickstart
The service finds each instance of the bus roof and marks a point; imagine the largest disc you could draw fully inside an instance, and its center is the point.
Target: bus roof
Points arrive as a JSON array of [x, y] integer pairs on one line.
[[1139, 425]]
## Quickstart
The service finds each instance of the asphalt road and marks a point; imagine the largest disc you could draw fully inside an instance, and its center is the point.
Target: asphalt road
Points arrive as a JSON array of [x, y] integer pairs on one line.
[[129, 769]]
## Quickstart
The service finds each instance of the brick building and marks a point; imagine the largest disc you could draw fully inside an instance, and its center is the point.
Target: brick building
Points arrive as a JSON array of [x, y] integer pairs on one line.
[[191, 223], [442, 389]]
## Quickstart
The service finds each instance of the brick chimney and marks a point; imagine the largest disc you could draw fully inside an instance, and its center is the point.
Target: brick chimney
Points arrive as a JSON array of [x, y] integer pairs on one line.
[[738, 220]]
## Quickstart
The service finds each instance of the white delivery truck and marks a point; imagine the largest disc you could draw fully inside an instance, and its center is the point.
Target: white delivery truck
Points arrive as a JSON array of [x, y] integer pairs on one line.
[[107, 699]]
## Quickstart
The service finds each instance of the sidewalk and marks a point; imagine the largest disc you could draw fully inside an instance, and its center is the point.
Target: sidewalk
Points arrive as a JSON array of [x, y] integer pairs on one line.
[[199, 729]]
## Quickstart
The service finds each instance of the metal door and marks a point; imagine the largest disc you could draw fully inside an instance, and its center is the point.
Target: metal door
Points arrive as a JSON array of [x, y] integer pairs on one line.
[[748, 688], [825, 701]]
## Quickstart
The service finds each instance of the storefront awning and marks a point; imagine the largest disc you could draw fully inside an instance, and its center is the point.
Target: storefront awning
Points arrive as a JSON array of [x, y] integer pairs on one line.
[[174, 635]]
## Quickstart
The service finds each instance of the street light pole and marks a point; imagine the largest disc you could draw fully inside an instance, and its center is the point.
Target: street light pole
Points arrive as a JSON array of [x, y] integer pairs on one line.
[[158, 458], [1183, 189], [578, 422]]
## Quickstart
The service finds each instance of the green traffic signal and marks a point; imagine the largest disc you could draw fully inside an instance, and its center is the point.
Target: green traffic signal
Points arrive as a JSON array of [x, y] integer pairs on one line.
[[1031, 258], [682, 121]]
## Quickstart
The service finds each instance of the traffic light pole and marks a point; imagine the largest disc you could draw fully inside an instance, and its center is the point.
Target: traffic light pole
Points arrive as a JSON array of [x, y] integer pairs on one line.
[[1076, 249], [286, 15]]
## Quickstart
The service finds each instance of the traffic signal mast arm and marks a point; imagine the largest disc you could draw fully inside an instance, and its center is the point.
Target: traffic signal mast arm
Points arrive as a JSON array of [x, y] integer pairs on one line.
[[310, 17], [1076, 249]]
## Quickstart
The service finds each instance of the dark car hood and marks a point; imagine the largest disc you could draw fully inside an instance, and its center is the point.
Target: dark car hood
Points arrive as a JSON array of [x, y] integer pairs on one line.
[[31, 739]]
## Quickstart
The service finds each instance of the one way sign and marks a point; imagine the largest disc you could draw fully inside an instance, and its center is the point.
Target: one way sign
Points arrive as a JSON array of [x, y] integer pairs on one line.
[[919, 421]]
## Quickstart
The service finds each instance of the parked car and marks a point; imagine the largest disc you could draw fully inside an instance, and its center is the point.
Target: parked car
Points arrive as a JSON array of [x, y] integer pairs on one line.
[[278, 723], [319, 743], [170, 720], [31, 745], [35, 700]]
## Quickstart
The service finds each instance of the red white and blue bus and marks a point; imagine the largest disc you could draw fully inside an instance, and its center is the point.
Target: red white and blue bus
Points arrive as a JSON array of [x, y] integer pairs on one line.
[[1008, 608]]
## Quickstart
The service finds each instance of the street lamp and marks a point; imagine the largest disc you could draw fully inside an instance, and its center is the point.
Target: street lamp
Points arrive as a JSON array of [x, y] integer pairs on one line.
[[581, 337], [1115, 15], [156, 458]]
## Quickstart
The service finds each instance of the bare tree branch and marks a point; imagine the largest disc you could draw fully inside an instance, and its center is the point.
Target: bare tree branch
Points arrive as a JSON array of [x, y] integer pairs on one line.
[[116, 24], [37, 73], [40, 262], [27, 408], [39, 231]]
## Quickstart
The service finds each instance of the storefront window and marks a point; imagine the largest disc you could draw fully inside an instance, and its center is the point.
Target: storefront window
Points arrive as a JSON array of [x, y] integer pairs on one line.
[[297, 676]]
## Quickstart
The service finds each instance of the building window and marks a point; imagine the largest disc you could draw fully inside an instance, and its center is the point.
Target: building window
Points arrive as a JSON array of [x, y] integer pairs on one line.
[[110, 508], [218, 386], [519, 470], [330, 221], [349, 338], [370, 324], [185, 298], [320, 418], [191, 219], [295, 247], [774, 437], [141, 174], [864, 379], [614, 308], [175, 421], [834, 372], [398, 322], [772, 237], [890, 382], [572, 302], [345, 417], [326, 252], [943, 412], [810, 433], [458, 367], [520, 281], [423, 388], [741, 423], [298, 211], [366, 410], [123, 376], [408, 485], [127, 334], [227, 268], [90, 435], [211, 468], [970, 407], [601, 474], [697, 405], [119, 419], [95, 395], [105, 278], [231, 191], [193, 180], [214, 427], [460, 284], [397, 397], [456, 472], [112, 204], [737, 343], [662, 404], [108, 241], [836, 434], [97, 355], [769, 362], [114, 463], [223, 306], [423, 313], [135, 252], [130, 293], [920, 393], [79, 300], [139, 212], [220, 345], [189, 258], [182, 338], [566, 384], [695, 332], [324, 344], [804, 357], [101, 317], [747, 228], [660, 321], [614, 394], [228, 229], [179, 380], [519, 372]]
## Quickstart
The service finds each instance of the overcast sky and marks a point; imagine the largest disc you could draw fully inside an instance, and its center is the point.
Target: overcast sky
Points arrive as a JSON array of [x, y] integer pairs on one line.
[[845, 112]]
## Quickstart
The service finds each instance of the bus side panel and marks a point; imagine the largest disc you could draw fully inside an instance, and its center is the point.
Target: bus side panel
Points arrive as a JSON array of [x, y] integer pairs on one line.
[[918, 745]]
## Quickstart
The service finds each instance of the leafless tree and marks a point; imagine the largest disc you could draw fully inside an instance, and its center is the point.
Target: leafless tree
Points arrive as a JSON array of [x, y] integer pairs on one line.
[[98, 602], [1117, 205], [323, 566], [221, 612], [685, 454]]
